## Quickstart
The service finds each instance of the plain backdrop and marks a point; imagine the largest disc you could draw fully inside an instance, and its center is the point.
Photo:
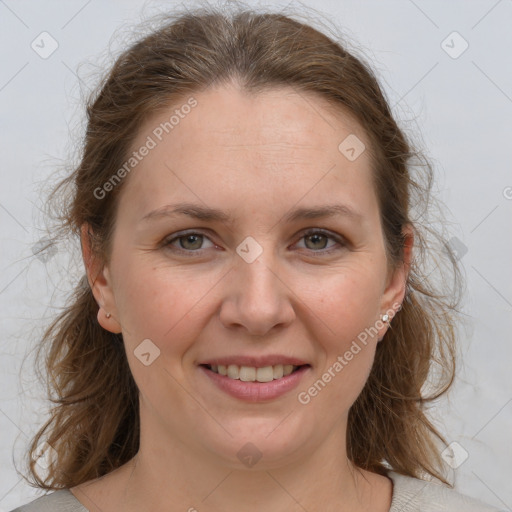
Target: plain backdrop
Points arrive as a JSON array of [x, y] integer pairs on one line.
[[446, 68]]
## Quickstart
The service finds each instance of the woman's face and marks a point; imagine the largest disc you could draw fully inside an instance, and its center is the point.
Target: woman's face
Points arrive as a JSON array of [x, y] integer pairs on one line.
[[248, 273]]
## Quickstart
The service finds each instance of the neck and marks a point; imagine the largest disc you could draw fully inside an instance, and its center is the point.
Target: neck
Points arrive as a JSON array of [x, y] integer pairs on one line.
[[177, 478]]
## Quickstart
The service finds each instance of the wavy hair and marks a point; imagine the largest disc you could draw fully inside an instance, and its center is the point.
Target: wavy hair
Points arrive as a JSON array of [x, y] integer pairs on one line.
[[94, 426]]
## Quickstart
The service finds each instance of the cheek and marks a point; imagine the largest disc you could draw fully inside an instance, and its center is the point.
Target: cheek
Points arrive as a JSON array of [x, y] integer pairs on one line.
[[162, 304], [333, 391], [347, 344], [167, 308], [346, 303], [345, 308]]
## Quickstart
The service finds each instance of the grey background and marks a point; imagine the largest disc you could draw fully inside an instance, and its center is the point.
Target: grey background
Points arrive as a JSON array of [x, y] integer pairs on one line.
[[459, 108]]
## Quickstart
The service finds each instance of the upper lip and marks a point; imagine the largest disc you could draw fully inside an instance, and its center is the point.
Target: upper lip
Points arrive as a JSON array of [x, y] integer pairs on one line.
[[254, 361]]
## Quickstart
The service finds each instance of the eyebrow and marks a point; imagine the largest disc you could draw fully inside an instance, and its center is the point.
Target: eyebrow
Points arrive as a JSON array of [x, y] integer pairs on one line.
[[213, 214]]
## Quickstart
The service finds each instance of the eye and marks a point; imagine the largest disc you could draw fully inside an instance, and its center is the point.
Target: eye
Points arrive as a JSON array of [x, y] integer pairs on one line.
[[317, 240], [187, 242]]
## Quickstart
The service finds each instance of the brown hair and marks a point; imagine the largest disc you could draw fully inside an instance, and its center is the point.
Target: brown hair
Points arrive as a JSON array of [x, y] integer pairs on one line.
[[94, 423]]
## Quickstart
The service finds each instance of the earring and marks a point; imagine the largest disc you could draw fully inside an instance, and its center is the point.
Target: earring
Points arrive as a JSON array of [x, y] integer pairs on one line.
[[108, 315], [384, 318]]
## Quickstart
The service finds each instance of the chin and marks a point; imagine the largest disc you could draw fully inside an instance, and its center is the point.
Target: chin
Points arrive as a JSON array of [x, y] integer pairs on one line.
[[261, 444]]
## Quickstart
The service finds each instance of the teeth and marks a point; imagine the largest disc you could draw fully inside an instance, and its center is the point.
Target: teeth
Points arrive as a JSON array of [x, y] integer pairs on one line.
[[247, 373], [253, 374], [233, 371], [278, 371], [265, 374]]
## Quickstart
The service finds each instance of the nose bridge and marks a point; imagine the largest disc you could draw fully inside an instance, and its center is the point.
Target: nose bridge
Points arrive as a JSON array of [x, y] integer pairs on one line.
[[259, 281], [257, 299]]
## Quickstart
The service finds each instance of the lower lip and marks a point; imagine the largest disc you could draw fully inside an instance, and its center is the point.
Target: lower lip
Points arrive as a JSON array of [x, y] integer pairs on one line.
[[256, 391]]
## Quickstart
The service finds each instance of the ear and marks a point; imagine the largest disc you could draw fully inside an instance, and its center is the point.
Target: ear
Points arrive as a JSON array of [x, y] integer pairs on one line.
[[396, 286], [100, 282]]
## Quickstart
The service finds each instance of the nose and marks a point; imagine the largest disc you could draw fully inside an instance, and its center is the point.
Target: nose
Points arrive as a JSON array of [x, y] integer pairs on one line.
[[257, 299]]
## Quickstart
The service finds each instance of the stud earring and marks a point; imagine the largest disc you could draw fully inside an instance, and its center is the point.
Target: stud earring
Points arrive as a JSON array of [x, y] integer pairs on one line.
[[108, 315], [384, 318]]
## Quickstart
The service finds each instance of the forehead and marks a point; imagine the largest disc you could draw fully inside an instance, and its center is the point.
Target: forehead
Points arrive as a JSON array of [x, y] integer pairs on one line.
[[232, 143], [244, 120]]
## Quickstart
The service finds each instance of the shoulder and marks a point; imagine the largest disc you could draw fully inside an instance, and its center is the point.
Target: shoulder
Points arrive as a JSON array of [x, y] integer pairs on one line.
[[415, 495], [62, 500]]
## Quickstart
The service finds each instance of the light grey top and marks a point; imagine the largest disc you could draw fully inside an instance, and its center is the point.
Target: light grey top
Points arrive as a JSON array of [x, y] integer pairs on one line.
[[409, 495]]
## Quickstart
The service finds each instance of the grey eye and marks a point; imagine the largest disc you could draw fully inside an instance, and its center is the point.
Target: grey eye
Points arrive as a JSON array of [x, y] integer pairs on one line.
[[191, 241], [318, 240]]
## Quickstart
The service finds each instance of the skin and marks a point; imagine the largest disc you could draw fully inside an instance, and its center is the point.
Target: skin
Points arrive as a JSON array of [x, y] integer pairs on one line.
[[239, 152]]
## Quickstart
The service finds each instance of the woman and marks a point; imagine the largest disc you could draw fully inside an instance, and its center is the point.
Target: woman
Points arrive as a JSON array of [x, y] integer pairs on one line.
[[253, 331]]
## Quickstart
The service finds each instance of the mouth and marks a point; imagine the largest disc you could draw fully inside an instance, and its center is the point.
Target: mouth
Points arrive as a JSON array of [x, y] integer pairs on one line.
[[253, 383], [252, 373]]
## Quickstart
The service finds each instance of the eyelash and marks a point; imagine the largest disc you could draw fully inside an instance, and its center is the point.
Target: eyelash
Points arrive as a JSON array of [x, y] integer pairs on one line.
[[167, 243]]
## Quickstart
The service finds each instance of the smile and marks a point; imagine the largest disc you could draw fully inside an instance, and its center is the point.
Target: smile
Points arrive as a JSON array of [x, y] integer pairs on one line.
[[252, 373], [254, 384]]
